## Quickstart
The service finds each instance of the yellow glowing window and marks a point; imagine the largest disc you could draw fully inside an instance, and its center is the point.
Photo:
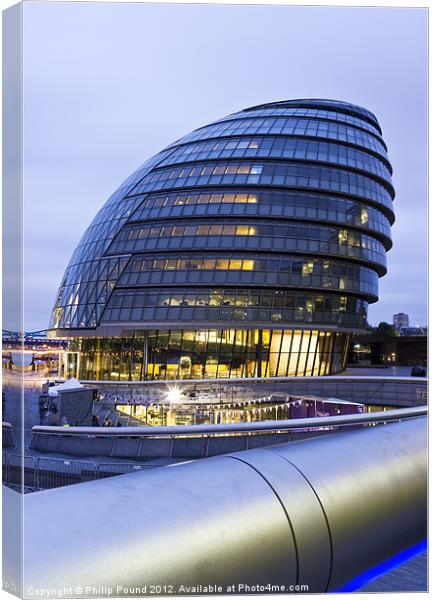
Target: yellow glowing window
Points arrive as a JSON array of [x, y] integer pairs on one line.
[[266, 338], [222, 264], [215, 300], [364, 216], [252, 199], [307, 268], [245, 230], [243, 170], [248, 265], [209, 263], [213, 337], [343, 236], [236, 264], [201, 336]]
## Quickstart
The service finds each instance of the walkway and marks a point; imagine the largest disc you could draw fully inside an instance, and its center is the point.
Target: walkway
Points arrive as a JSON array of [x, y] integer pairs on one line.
[[411, 576]]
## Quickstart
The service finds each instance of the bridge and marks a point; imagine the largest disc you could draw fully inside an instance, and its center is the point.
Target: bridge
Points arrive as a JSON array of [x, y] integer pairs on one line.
[[26, 336]]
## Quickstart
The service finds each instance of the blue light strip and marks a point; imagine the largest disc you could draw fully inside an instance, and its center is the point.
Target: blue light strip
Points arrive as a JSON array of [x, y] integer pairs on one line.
[[382, 568]]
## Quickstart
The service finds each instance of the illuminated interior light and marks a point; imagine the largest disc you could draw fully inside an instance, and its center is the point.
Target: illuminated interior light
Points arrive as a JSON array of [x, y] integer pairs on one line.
[[173, 395], [248, 265], [307, 268], [343, 236]]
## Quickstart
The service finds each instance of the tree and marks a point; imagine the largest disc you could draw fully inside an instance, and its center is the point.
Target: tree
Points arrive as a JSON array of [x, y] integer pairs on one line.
[[383, 329]]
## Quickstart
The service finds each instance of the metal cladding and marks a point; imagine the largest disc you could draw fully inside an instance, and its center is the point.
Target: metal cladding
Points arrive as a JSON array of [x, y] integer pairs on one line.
[[275, 217], [274, 516]]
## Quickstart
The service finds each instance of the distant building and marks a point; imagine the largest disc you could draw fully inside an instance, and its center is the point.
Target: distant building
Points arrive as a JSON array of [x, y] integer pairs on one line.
[[381, 350], [400, 320]]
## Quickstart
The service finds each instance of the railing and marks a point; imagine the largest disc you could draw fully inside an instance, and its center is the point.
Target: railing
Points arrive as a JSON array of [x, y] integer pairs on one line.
[[16, 441], [197, 441], [243, 380], [368, 389], [312, 514], [31, 473], [224, 428], [7, 435]]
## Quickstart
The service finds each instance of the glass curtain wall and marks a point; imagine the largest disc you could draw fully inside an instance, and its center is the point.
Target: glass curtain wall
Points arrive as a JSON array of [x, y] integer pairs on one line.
[[206, 354]]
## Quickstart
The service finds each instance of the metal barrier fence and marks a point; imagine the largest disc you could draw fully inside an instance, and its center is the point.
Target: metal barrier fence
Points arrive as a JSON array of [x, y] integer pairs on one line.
[[54, 472], [31, 474], [5, 469], [19, 472], [109, 469]]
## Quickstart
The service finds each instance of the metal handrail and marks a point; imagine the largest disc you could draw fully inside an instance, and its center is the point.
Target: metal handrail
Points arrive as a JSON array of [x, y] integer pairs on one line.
[[247, 380], [221, 428]]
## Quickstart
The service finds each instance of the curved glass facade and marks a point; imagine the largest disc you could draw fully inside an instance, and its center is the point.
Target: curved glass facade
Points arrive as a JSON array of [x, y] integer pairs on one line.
[[253, 235], [276, 174], [297, 148], [299, 206], [250, 247]]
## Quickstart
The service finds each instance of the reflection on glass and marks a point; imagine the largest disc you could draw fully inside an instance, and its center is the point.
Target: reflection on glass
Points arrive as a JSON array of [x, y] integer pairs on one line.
[[211, 353]]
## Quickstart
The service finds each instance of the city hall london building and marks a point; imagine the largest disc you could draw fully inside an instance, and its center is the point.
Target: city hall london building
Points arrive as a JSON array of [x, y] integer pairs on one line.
[[251, 247]]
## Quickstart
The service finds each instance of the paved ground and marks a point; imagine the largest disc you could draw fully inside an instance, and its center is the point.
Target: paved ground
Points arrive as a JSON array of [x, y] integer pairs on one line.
[[378, 371], [411, 576]]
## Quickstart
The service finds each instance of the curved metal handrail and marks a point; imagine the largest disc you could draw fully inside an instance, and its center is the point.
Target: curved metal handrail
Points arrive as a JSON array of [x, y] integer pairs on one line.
[[222, 428], [247, 380]]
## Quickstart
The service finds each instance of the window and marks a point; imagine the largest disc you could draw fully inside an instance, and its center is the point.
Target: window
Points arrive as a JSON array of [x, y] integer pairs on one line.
[[307, 268], [236, 264]]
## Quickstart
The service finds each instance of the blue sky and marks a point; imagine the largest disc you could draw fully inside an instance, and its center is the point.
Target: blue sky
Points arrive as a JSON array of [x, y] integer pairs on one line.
[[108, 85]]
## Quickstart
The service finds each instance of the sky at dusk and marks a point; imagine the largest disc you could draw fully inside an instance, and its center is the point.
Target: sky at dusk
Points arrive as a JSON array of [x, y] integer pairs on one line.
[[106, 86]]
